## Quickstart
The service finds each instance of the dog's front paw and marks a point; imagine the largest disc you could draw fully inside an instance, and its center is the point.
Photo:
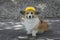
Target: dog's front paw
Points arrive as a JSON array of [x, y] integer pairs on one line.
[[28, 32], [34, 33]]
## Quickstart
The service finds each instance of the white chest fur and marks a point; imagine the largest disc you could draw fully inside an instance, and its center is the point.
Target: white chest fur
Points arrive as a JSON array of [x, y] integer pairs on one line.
[[31, 23]]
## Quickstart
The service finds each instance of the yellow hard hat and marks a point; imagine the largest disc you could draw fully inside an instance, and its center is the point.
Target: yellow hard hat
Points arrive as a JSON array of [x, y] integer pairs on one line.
[[30, 8]]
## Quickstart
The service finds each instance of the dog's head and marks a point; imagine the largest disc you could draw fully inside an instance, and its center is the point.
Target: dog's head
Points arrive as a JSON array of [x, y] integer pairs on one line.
[[30, 12]]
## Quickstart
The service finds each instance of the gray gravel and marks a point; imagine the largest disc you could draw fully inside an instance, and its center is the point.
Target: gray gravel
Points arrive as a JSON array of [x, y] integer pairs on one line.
[[13, 33]]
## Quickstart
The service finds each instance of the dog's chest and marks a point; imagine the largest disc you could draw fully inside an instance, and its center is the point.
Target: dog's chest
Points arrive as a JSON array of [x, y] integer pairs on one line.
[[31, 23]]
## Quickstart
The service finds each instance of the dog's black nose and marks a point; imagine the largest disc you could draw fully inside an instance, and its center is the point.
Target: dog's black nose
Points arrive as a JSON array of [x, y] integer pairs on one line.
[[29, 16]]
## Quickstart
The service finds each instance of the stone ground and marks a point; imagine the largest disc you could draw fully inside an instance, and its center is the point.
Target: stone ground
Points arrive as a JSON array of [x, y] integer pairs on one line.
[[14, 31]]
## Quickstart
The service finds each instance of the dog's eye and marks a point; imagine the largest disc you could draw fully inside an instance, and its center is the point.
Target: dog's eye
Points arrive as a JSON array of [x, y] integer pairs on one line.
[[27, 13], [31, 12]]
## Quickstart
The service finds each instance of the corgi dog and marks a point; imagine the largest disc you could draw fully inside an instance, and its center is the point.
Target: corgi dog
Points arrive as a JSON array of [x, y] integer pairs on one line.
[[32, 22]]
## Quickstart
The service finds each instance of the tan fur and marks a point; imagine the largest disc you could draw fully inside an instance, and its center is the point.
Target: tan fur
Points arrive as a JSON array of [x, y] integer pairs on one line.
[[42, 25]]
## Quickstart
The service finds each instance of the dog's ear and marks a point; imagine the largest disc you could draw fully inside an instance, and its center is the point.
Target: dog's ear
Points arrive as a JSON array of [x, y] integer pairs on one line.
[[37, 12], [22, 12]]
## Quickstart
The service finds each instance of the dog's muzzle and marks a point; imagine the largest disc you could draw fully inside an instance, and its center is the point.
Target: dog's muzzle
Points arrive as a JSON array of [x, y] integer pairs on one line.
[[30, 16]]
